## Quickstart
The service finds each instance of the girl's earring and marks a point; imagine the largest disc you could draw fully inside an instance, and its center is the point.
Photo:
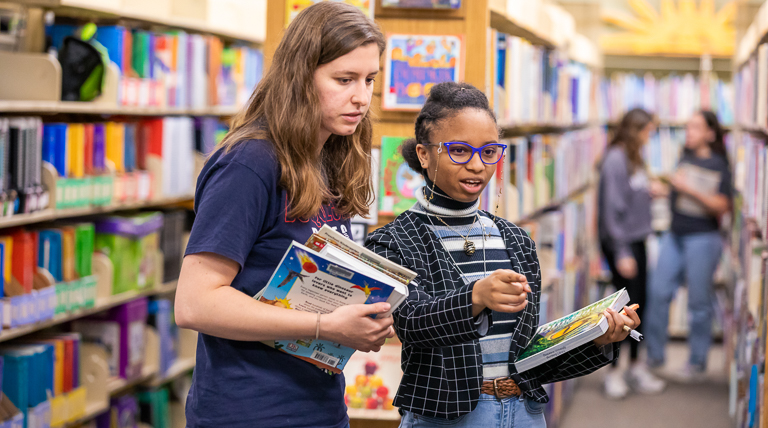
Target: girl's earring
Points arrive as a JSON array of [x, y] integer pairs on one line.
[[432, 193]]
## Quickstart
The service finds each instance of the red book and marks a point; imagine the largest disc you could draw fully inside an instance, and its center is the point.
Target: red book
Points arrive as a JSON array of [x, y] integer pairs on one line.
[[128, 54], [69, 363], [88, 149], [24, 260], [154, 133]]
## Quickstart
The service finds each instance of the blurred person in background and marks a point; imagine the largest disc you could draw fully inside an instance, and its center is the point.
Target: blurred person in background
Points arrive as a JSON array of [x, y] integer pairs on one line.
[[700, 195], [624, 224]]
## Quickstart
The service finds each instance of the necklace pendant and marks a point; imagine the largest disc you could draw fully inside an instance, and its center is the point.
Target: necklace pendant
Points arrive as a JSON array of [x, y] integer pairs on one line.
[[469, 248]]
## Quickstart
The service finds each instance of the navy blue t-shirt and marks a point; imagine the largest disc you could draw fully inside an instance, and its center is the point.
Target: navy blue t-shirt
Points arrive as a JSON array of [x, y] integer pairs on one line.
[[241, 214]]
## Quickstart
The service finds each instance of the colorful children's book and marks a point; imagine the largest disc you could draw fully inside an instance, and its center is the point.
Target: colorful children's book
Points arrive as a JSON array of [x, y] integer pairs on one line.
[[399, 183], [331, 271], [415, 63], [560, 336]]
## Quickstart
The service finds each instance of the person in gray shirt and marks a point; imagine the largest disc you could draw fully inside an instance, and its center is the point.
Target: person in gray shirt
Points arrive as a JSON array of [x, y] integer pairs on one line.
[[624, 223]]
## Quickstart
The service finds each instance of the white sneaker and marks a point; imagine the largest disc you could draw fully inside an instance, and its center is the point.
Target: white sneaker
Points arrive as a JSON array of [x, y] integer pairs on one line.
[[643, 381], [615, 386], [688, 374]]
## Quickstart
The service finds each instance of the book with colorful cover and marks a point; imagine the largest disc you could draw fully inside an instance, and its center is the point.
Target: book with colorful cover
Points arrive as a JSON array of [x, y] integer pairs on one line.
[[415, 63], [399, 183], [294, 7], [569, 332], [331, 271]]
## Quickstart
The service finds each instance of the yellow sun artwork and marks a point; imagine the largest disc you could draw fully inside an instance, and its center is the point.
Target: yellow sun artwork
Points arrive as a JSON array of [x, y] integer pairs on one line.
[[680, 28]]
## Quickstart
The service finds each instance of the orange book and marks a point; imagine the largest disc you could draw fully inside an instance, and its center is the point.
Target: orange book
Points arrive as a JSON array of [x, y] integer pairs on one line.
[[88, 146], [215, 52], [7, 242], [76, 142], [68, 253], [115, 145]]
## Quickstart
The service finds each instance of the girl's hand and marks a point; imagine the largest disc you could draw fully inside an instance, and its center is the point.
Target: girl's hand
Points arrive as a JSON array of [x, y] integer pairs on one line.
[[352, 326], [504, 291], [616, 323], [627, 267]]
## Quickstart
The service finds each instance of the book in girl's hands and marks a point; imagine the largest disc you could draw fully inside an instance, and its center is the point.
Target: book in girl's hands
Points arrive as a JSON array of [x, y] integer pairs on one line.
[[560, 336], [329, 272]]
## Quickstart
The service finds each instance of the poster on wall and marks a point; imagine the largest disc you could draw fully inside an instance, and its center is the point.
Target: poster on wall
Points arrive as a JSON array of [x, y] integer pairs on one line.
[[294, 7], [399, 183], [415, 63], [422, 4]]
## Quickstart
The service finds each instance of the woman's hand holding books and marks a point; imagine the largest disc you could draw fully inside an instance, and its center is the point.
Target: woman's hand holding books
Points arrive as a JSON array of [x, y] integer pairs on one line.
[[352, 326], [616, 323]]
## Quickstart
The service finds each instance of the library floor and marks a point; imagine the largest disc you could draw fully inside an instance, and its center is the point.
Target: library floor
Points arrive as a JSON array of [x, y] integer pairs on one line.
[[700, 405]]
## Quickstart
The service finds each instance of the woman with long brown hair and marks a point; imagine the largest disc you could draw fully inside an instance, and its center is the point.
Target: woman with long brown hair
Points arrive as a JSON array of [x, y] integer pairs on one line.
[[297, 157], [690, 251], [624, 223]]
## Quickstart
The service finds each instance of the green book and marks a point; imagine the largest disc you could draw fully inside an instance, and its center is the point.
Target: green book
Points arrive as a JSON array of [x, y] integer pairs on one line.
[[85, 240], [569, 332]]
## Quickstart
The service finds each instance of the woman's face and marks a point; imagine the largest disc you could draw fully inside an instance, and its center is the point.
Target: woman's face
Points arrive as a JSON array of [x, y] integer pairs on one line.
[[697, 133], [462, 182], [646, 132], [345, 87]]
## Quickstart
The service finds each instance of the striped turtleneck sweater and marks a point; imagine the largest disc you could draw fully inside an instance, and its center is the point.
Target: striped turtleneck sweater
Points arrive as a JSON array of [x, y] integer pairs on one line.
[[458, 220]]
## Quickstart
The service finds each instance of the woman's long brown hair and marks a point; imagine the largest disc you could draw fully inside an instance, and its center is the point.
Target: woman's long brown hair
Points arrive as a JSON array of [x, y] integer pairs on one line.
[[626, 136], [285, 109]]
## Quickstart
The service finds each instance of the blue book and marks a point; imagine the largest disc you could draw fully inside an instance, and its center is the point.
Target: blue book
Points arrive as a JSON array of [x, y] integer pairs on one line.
[[112, 37], [2, 274], [17, 364], [334, 272], [130, 147], [99, 148], [49, 252], [58, 32]]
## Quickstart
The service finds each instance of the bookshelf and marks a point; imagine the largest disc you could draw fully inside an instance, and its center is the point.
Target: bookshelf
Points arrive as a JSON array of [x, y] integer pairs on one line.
[[200, 16], [101, 306], [238, 25], [744, 332]]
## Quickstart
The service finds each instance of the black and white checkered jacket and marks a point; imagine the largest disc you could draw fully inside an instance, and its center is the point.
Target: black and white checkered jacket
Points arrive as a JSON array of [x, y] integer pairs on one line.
[[441, 356]]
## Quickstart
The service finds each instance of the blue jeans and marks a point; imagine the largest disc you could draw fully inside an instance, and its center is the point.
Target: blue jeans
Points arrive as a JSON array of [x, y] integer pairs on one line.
[[693, 258], [514, 412]]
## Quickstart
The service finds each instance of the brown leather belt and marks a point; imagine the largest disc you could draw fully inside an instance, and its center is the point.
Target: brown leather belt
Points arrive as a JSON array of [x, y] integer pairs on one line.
[[501, 388]]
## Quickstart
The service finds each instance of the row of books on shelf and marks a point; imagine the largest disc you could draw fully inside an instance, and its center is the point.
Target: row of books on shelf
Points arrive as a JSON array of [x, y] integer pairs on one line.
[[100, 163], [55, 379], [750, 158], [49, 269], [173, 68], [673, 98], [535, 85], [751, 82]]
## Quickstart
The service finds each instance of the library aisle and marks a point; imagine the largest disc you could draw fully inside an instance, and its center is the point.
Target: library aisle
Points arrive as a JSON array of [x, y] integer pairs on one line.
[[702, 404]]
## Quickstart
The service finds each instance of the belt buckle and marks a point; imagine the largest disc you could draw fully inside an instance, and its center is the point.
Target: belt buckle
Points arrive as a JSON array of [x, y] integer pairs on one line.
[[496, 387]]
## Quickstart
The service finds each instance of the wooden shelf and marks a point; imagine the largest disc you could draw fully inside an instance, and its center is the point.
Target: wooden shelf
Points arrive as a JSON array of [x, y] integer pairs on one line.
[[112, 10], [101, 306], [117, 385], [664, 63], [377, 414], [505, 24], [52, 214], [553, 206], [107, 109], [517, 131], [91, 411], [177, 370]]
